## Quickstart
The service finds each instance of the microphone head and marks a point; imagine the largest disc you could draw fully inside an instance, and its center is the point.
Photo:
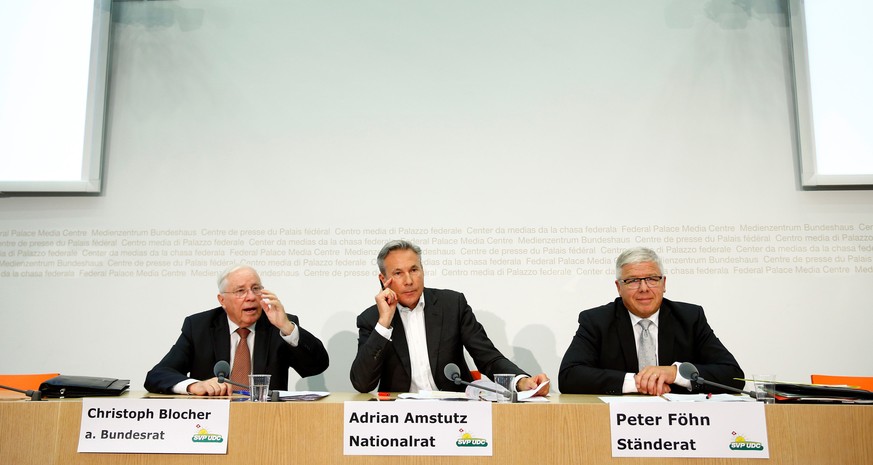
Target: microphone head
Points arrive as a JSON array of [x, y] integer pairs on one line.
[[688, 371], [222, 368], [452, 372]]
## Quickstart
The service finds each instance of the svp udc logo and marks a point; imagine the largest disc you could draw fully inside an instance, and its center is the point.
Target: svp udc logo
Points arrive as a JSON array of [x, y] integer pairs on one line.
[[205, 436], [467, 440], [741, 443]]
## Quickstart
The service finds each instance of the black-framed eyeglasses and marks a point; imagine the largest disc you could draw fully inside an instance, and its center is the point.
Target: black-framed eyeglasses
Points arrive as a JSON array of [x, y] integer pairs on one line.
[[634, 283], [242, 293]]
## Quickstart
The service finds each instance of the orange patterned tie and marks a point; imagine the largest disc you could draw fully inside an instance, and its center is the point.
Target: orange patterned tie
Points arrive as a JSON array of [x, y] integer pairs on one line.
[[242, 359]]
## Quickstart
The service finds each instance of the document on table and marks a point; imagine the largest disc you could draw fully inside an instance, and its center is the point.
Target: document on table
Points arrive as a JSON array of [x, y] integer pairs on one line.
[[432, 395], [474, 393], [301, 395], [673, 397], [631, 399]]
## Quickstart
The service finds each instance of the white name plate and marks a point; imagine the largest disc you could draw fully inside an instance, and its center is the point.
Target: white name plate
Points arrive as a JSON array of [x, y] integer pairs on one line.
[[154, 426], [418, 427], [689, 429]]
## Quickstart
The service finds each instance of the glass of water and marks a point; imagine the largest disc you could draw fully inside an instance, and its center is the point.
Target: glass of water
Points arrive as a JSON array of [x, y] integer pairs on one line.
[[260, 388]]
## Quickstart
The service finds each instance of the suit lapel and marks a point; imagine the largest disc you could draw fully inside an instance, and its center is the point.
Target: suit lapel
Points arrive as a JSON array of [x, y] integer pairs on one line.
[[220, 336], [626, 337], [433, 327], [401, 347], [262, 341], [666, 326]]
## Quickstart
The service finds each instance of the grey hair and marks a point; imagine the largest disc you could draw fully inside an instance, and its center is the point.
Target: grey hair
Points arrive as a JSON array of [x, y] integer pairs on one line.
[[222, 278], [391, 246], [637, 255]]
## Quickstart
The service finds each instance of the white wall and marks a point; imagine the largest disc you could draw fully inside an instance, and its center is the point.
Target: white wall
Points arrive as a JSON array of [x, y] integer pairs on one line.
[[617, 116]]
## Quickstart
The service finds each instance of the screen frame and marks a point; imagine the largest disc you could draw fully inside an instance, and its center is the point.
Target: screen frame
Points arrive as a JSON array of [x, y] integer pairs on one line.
[[90, 180], [810, 177]]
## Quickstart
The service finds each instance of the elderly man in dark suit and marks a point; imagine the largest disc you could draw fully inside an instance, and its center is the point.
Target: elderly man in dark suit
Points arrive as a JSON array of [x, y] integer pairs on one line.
[[636, 343], [252, 321], [411, 334]]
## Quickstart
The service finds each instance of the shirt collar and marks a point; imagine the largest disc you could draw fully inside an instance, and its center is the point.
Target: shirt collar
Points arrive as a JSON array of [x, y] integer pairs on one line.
[[419, 305], [233, 326], [654, 318]]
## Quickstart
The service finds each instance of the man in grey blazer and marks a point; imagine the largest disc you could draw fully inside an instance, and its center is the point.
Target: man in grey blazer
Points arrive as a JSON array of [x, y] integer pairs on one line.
[[604, 356], [411, 334]]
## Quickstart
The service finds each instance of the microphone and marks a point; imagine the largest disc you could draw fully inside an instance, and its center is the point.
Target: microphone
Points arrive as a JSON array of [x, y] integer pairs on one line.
[[221, 370], [453, 373], [689, 371], [34, 394]]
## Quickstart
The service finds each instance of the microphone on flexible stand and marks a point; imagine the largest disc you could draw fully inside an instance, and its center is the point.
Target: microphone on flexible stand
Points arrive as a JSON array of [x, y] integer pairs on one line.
[[689, 371], [453, 373], [34, 394], [221, 370]]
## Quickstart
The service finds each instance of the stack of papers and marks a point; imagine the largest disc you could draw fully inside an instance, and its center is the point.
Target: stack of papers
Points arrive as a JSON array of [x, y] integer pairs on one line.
[[817, 393], [481, 394], [707, 397], [432, 395], [474, 393], [672, 397], [301, 395], [784, 393]]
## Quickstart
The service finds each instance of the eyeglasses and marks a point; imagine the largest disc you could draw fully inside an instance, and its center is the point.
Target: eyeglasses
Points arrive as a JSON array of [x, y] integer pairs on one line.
[[634, 283], [242, 293]]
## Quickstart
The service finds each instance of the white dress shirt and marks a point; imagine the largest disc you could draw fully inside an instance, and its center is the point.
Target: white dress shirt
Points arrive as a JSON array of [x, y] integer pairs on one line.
[[416, 340], [630, 385]]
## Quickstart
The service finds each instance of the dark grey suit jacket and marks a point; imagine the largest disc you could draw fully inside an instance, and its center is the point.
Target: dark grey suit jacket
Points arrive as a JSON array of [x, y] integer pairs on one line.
[[450, 327], [205, 340], [603, 349]]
